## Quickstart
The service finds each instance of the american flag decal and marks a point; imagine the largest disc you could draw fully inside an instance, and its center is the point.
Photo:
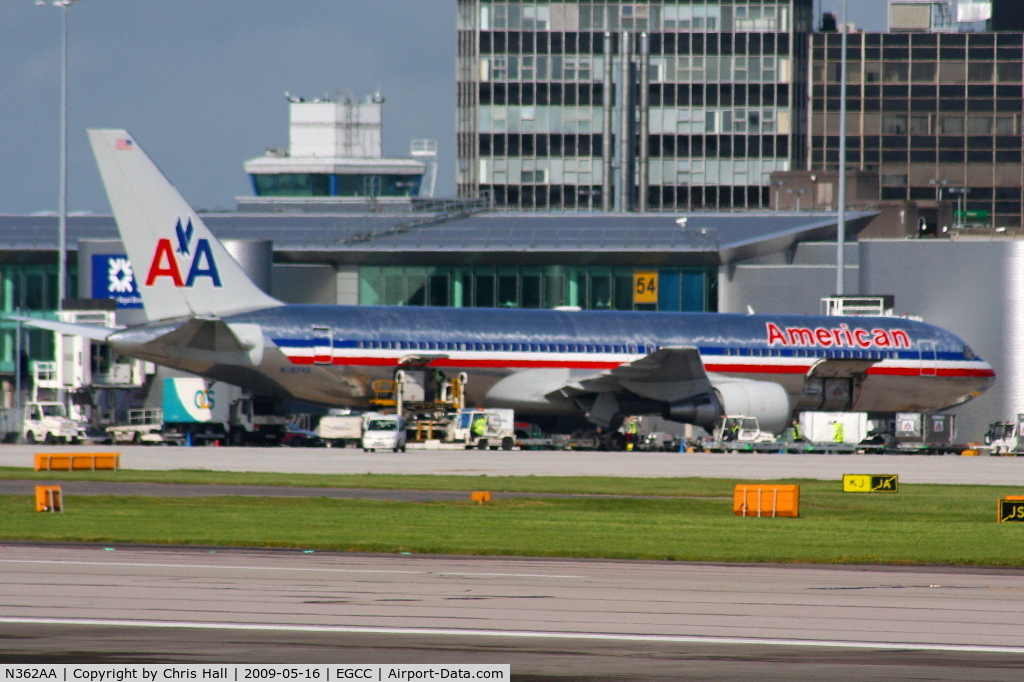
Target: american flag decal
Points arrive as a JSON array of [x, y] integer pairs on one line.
[[123, 145]]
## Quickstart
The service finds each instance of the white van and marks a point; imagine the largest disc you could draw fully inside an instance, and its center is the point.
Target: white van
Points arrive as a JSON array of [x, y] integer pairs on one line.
[[383, 432]]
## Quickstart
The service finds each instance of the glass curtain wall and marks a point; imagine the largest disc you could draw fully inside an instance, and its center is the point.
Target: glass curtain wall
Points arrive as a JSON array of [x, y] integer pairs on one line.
[[726, 92], [29, 289], [586, 287], [928, 111]]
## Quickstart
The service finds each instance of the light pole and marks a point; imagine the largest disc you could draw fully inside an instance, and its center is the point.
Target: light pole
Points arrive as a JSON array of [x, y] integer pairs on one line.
[[961, 197], [938, 184], [799, 192], [778, 185], [62, 201], [841, 219]]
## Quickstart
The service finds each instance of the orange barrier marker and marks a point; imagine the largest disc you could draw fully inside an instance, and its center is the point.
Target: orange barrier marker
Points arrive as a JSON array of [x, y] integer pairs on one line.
[[88, 461], [49, 498], [480, 496], [766, 499]]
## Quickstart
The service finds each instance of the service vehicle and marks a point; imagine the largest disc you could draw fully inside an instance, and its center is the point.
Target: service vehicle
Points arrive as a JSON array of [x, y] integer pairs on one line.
[[41, 421], [483, 428], [197, 410], [1004, 438], [740, 429], [383, 432], [145, 425], [834, 427], [340, 430], [297, 437]]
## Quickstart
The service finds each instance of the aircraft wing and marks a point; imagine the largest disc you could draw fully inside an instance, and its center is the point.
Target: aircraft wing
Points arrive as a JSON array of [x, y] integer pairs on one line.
[[666, 375], [90, 331]]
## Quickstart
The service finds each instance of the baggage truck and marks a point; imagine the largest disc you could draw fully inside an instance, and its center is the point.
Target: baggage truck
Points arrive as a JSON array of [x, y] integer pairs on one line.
[[340, 430], [200, 411]]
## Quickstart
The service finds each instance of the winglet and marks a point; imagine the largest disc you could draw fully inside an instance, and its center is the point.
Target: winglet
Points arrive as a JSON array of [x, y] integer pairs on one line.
[[181, 268]]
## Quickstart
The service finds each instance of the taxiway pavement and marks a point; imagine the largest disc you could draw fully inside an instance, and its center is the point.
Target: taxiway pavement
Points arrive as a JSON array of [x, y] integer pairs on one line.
[[910, 468]]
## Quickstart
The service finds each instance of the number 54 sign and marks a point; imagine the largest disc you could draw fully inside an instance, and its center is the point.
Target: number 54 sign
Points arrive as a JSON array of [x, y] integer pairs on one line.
[[645, 286]]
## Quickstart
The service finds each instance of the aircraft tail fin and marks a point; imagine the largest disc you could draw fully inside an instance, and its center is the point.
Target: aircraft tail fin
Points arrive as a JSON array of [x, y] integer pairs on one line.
[[182, 270]]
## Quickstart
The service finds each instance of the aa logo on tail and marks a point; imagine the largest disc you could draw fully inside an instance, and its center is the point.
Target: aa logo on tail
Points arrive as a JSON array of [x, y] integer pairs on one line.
[[198, 261]]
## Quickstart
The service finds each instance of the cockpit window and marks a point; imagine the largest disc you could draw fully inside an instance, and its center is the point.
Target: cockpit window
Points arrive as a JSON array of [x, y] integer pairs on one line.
[[968, 353]]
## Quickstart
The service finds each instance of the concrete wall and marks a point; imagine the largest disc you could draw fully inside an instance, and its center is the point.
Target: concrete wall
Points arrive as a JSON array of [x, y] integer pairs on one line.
[[791, 283], [304, 283], [973, 288], [348, 284]]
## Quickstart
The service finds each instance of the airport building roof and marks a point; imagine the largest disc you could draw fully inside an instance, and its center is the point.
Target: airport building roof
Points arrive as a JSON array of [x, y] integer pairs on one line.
[[488, 237]]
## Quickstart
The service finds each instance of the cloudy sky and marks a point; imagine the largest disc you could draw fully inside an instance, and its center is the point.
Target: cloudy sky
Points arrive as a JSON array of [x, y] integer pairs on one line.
[[201, 84]]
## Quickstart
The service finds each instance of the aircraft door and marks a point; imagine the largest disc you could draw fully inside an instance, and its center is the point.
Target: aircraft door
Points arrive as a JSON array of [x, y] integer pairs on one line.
[[927, 358], [838, 395], [323, 345]]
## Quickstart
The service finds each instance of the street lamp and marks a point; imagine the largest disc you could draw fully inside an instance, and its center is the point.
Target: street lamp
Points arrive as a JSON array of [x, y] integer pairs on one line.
[[841, 218], [62, 208], [799, 192], [938, 184], [778, 184], [961, 196]]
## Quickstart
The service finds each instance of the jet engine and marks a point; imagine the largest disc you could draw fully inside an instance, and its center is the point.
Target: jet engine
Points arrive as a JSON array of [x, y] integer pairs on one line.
[[766, 400]]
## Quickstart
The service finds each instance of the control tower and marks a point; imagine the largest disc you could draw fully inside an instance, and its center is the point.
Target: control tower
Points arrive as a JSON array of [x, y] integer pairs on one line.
[[335, 153]]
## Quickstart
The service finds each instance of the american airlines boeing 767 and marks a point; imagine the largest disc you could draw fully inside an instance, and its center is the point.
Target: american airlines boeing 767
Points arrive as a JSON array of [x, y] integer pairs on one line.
[[208, 318]]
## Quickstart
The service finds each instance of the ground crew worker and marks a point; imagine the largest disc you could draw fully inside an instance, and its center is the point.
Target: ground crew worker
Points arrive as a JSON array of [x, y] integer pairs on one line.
[[632, 428], [479, 425], [794, 434], [838, 433]]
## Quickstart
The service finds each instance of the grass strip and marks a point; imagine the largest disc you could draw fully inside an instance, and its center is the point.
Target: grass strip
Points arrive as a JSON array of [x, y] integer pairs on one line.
[[922, 524], [605, 485]]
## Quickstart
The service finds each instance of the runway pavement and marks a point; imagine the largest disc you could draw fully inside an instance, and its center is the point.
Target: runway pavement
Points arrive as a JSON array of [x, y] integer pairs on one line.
[[911, 468], [550, 619]]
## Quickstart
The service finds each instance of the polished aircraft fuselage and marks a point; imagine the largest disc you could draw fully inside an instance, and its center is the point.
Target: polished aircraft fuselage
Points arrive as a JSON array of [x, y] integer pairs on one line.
[[331, 355]]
